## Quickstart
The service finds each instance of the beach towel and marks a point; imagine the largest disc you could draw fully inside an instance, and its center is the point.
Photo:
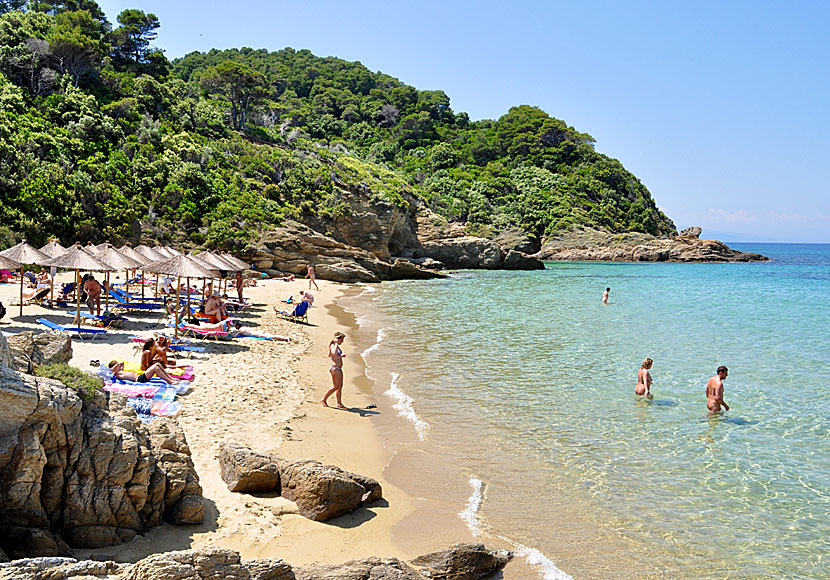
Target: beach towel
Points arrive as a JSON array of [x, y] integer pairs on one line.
[[142, 408], [139, 390], [185, 374], [109, 379], [165, 408]]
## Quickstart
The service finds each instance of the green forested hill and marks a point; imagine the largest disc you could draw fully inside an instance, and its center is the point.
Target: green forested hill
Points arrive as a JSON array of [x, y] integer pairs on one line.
[[102, 138]]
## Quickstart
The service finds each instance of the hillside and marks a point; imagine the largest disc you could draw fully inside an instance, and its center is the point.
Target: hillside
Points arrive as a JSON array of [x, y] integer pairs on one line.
[[102, 138]]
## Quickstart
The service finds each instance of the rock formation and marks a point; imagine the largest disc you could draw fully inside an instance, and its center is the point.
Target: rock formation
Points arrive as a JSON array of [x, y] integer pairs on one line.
[[75, 473], [460, 562], [29, 349], [321, 492], [594, 245]]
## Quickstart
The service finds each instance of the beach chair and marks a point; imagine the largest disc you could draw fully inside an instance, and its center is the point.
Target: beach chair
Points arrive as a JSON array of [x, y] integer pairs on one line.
[[83, 333], [102, 320], [299, 314], [122, 304], [198, 332], [38, 298]]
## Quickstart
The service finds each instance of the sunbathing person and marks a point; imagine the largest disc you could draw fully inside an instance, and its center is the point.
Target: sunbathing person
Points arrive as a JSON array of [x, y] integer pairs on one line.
[[299, 310], [215, 309], [162, 344], [234, 329], [154, 370]]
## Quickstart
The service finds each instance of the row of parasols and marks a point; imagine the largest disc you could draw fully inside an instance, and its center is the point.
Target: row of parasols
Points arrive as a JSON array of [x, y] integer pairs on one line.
[[106, 258]]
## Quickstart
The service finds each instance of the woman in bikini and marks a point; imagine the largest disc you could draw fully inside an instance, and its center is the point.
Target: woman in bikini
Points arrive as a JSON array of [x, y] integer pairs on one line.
[[154, 370], [644, 379], [336, 369]]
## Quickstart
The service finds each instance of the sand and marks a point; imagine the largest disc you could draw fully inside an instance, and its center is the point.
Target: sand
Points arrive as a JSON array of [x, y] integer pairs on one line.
[[265, 394]]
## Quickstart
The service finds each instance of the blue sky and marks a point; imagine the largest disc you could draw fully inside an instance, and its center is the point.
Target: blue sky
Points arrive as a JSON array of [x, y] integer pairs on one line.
[[720, 108]]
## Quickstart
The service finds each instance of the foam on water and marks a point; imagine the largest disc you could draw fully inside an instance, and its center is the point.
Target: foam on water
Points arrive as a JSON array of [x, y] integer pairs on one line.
[[374, 347], [470, 513], [403, 405], [547, 569]]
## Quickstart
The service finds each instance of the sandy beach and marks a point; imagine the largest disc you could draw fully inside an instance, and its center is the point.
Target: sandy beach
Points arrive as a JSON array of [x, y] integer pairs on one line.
[[265, 394]]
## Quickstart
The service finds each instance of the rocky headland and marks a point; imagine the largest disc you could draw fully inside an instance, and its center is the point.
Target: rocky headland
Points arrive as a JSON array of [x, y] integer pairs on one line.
[[375, 240], [595, 245]]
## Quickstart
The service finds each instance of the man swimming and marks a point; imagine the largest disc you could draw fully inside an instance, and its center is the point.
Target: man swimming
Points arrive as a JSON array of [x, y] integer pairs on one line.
[[605, 295], [714, 391]]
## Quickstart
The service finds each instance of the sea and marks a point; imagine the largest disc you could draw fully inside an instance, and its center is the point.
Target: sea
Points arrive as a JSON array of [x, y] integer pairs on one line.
[[519, 388]]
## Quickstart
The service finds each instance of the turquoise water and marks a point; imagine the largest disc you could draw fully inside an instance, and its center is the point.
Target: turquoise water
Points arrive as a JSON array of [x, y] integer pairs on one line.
[[525, 381]]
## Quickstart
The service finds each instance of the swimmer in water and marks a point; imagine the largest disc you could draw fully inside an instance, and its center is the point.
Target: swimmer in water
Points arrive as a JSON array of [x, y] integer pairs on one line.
[[644, 379], [605, 295], [714, 391]]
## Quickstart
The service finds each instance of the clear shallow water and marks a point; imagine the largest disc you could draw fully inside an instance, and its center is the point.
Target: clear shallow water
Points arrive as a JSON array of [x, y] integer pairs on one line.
[[524, 381]]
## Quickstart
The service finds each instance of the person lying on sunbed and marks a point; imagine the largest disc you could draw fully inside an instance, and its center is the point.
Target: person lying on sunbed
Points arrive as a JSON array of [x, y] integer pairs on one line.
[[234, 328], [154, 370]]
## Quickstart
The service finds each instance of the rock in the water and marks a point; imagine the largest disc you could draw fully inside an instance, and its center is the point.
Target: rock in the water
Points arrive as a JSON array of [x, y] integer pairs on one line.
[[323, 492], [246, 470], [462, 562]]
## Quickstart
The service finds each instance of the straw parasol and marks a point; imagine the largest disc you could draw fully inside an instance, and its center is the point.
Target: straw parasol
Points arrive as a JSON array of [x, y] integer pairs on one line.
[[200, 257], [223, 265], [77, 258], [128, 250], [8, 263], [241, 265], [119, 261], [53, 249], [152, 256], [181, 266], [25, 254]]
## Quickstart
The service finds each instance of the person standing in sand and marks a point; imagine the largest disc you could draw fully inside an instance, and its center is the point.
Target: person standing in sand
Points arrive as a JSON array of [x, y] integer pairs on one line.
[[93, 292], [336, 369], [714, 391], [312, 277], [644, 379], [605, 295]]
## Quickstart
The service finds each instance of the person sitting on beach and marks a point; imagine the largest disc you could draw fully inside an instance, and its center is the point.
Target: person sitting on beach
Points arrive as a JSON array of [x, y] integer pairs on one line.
[[160, 348], [307, 297], [154, 370], [43, 277], [234, 328], [215, 309], [644, 379], [299, 310], [166, 286], [93, 293], [714, 391]]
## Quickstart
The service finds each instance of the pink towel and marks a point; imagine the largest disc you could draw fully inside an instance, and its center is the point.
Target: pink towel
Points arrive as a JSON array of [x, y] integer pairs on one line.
[[133, 391]]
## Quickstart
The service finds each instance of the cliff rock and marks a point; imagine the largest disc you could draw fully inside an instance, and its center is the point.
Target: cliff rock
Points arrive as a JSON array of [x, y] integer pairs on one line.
[[460, 562], [594, 245], [74, 475], [29, 349]]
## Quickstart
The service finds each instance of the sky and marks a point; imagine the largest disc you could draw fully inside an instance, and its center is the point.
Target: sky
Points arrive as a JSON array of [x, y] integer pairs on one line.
[[722, 109]]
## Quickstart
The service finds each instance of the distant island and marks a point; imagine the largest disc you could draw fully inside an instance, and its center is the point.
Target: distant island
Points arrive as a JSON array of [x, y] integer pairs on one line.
[[104, 139]]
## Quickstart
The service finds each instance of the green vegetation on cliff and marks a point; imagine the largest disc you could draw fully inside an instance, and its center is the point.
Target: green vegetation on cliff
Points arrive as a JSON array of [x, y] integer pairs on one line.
[[102, 138]]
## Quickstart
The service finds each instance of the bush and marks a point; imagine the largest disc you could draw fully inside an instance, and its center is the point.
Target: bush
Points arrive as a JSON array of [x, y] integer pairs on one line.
[[86, 384]]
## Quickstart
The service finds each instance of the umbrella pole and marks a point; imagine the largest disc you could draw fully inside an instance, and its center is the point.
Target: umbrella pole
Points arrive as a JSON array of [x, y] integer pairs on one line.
[[127, 281], [142, 285], [178, 288], [22, 268], [204, 285], [188, 296], [156, 287], [77, 319], [107, 291]]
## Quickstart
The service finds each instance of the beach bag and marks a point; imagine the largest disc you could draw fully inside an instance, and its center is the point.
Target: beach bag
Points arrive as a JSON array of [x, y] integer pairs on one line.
[[2, 310]]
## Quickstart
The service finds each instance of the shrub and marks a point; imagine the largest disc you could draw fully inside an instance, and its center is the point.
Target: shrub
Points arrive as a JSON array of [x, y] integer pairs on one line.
[[74, 378]]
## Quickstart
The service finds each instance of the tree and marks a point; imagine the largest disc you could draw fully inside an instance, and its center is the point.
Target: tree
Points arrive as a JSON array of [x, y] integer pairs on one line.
[[10, 5], [76, 45], [241, 85], [131, 41]]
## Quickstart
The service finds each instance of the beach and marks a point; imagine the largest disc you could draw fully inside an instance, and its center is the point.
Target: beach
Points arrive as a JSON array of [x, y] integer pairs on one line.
[[265, 394]]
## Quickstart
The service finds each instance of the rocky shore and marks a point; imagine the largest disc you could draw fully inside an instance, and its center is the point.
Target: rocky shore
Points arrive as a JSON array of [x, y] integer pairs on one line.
[[595, 245]]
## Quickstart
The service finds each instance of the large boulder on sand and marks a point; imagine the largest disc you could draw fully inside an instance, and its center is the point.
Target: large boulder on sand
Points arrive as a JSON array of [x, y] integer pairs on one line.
[[323, 492], [246, 470], [462, 562]]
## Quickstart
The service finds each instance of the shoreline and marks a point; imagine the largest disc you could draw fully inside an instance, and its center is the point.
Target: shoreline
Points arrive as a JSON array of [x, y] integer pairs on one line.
[[265, 394]]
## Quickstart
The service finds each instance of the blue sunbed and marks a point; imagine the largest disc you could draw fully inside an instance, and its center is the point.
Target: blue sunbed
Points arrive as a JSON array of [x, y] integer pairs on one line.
[[80, 331], [121, 303], [106, 321]]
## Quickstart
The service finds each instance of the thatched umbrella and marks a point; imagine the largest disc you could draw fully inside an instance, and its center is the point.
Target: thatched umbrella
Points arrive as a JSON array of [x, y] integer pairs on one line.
[[119, 261], [181, 266], [77, 258], [9, 264], [152, 256], [241, 265], [53, 249], [128, 250], [25, 254], [221, 265], [200, 257], [173, 250]]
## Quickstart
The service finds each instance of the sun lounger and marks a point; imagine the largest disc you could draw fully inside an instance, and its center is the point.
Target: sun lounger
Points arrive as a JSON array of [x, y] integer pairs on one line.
[[196, 331], [91, 333], [110, 321], [298, 314], [123, 304], [38, 298]]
